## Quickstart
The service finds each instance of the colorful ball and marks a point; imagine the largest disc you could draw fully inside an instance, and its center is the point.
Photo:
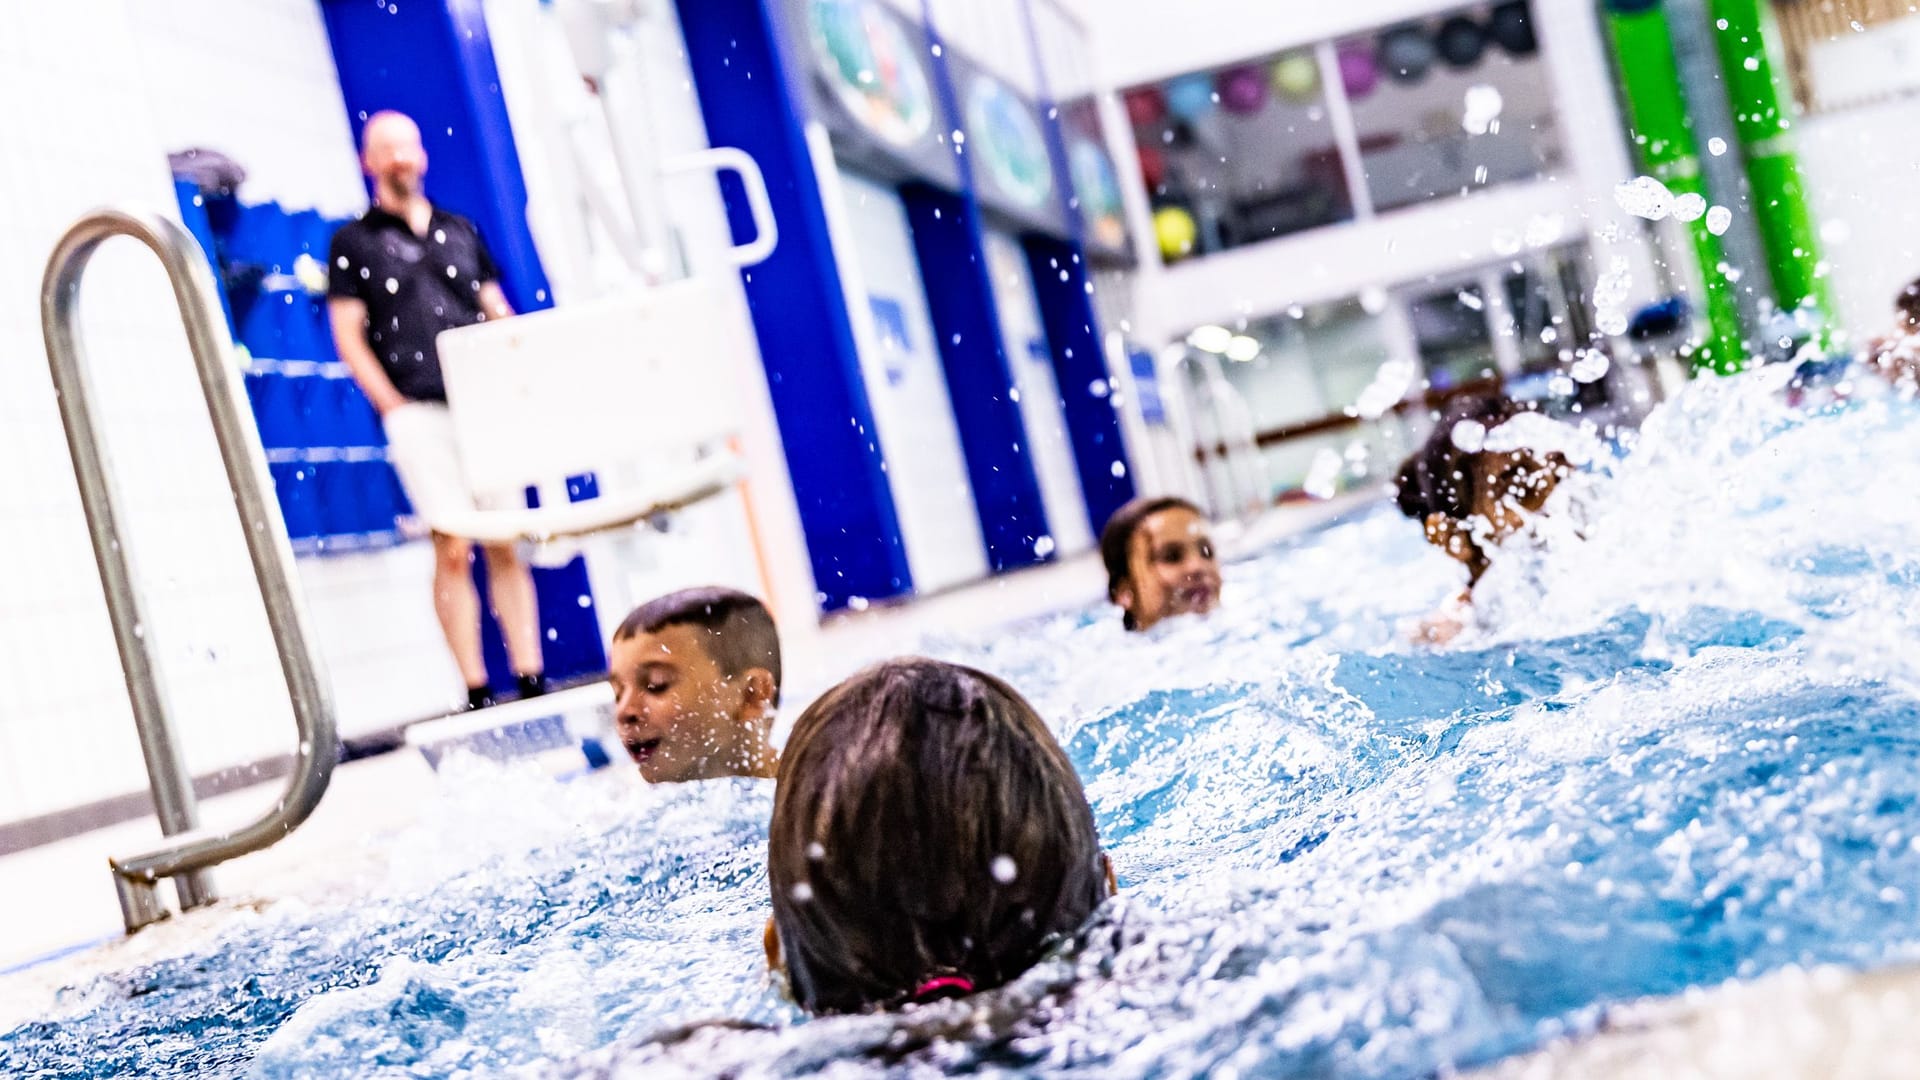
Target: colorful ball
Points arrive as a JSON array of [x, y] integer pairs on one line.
[[1407, 53], [1146, 105], [1461, 42], [1511, 25], [1176, 231], [1153, 166], [1359, 69], [1296, 78], [1190, 97], [1243, 90]]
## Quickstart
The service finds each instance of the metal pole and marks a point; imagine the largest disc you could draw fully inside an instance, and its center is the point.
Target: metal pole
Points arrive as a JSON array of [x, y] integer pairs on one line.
[[1663, 140], [1710, 114], [267, 548], [1763, 120]]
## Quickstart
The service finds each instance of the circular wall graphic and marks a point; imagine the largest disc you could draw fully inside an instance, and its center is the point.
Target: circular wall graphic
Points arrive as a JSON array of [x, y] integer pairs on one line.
[[874, 68], [1007, 140], [1098, 189]]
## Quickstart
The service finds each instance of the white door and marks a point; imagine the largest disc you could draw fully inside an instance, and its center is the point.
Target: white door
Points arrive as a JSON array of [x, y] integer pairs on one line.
[[1031, 360], [911, 407]]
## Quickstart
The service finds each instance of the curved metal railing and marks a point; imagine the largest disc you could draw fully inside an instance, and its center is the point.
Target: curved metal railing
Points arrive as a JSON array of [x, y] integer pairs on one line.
[[190, 851]]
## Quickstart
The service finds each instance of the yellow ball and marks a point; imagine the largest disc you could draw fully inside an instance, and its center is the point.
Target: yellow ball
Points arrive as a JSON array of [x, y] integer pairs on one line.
[[1176, 231], [1296, 77]]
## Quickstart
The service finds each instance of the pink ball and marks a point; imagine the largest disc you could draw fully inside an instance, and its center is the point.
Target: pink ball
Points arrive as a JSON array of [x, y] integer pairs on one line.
[[1359, 71], [1146, 105], [1242, 90]]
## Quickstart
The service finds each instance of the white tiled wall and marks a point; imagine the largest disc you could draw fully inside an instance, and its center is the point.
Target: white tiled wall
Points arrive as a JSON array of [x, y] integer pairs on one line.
[[100, 90], [253, 79]]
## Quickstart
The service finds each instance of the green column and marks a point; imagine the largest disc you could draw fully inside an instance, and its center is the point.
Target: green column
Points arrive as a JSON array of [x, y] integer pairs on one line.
[[1763, 123], [1663, 138]]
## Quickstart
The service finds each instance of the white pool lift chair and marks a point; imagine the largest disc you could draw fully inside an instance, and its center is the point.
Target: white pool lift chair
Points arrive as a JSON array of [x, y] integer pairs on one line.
[[634, 389]]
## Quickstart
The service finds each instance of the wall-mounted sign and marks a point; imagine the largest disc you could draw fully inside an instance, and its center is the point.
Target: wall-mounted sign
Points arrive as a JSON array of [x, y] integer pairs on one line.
[[874, 67], [1097, 187], [1008, 143]]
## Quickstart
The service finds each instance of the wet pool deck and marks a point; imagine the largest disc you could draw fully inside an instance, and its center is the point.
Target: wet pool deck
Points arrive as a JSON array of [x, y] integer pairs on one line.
[[1792, 1023]]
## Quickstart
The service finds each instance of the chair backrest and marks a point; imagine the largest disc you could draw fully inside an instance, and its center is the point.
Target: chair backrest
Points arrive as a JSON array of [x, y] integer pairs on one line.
[[603, 386]]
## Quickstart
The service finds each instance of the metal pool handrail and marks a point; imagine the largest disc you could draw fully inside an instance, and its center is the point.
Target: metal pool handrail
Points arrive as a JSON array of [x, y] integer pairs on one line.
[[191, 850]]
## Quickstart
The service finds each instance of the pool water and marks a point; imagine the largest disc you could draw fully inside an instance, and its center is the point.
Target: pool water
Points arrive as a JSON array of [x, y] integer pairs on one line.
[[1687, 752]]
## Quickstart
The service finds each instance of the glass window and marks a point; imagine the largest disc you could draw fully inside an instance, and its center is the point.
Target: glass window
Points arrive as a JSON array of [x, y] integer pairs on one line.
[[1450, 104], [1238, 155], [1453, 335], [1298, 374]]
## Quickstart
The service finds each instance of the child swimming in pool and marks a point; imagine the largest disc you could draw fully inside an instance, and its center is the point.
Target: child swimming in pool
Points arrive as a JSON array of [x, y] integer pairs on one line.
[[1160, 561], [696, 679], [929, 839], [1473, 487], [1896, 355]]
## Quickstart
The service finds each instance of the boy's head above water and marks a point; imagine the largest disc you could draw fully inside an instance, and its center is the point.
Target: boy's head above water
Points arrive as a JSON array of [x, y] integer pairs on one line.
[[1160, 561], [1470, 499], [696, 677], [929, 837]]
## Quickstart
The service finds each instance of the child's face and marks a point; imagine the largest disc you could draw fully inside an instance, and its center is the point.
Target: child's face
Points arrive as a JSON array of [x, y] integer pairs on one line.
[[1171, 569], [680, 716]]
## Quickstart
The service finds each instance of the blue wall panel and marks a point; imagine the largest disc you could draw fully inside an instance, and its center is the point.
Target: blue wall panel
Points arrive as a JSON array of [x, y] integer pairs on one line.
[[993, 434], [750, 100], [1066, 307]]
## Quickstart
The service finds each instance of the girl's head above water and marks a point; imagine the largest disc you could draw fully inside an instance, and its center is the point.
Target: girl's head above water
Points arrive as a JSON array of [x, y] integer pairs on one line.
[[929, 838], [1160, 561], [1467, 496]]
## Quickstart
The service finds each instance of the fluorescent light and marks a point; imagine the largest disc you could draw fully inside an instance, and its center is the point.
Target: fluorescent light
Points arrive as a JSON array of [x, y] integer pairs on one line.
[[1213, 339], [1242, 348]]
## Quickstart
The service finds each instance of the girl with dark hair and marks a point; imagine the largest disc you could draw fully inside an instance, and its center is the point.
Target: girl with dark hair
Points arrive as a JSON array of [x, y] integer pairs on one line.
[[1160, 561], [929, 840], [1471, 493], [1896, 355]]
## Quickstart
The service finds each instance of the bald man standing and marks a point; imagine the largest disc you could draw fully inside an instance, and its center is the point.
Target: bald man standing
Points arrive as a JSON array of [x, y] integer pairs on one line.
[[397, 277]]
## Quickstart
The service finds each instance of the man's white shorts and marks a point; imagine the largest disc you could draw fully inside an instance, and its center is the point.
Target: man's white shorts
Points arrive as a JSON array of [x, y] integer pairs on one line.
[[422, 448]]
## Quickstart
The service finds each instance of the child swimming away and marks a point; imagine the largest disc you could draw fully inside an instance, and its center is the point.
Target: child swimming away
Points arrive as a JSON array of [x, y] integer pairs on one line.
[[1896, 356], [1472, 492], [696, 679], [929, 839], [1160, 561]]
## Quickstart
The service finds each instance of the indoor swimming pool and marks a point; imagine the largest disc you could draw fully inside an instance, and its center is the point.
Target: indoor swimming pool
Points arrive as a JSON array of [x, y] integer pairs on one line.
[[1688, 752]]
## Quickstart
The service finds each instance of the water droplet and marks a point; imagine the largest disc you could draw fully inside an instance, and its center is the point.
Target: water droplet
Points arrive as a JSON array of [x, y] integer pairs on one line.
[[801, 892], [1004, 870], [1644, 197], [393, 286], [1716, 146], [1719, 220]]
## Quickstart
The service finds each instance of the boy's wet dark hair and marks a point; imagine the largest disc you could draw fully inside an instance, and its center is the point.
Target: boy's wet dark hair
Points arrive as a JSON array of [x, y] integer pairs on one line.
[[1907, 304], [740, 631], [1439, 478], [1116, 539], [929, 837]]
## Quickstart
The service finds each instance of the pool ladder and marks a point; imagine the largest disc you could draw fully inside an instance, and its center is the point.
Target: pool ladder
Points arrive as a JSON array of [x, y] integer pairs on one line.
[[190, 850]]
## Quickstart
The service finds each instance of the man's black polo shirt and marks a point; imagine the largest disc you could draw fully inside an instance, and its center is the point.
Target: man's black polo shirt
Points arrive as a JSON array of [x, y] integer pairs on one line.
[[413, 286]]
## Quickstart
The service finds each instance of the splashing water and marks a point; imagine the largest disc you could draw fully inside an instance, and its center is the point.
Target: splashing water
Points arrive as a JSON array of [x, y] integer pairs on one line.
[[1688, 751]]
